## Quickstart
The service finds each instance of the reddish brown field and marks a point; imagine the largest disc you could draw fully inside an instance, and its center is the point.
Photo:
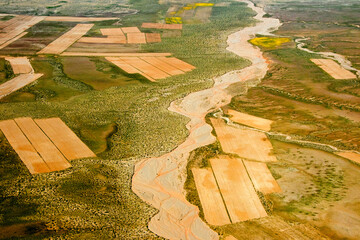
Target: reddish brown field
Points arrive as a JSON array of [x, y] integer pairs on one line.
[[153, 37], [42, 144], [66, 40], [64, 139], [210, 197], [355, 157], [23, 147], [241, 199]]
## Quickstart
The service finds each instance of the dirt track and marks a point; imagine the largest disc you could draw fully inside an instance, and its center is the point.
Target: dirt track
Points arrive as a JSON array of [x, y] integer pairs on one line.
[[159, 181]]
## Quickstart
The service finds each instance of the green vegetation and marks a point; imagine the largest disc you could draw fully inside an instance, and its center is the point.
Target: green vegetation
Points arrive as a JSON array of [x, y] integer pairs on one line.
[[6, 71]]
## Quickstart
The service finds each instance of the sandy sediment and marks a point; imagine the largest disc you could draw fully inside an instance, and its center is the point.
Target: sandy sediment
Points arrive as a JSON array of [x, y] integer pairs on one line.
[[159, 181]]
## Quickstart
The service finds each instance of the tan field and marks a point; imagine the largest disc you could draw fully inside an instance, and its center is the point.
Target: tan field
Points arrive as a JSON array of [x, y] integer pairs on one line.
[[177, 63], [17, 83], [136, 38], [245, 143], [23, 147], [241, 199], [20, 65], [112, 32], [64, 139], [153, 37], [355, 157], [66, 40], [76, 19], [130, 30], [16, 27], [210, 197], [250, 120], [89, 54], [162, 65], [162, 26], [145, 67], [127, 67], [12, 40], [42, 144], [333, 69], [230, 238], [112, 39], [261, 177]]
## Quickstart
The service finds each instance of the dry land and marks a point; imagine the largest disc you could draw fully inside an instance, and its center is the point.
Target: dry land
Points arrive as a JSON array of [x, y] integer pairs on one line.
[[249, 120], [334, 69]]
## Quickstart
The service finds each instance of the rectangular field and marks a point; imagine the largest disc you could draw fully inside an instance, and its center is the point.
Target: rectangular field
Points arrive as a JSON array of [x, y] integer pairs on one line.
[[333, 69], [162, 26], [145, 67], [17, 83], [245, 143], [250, 120], [12, 40], [210, 197], [112, 32], [66, 40], [130, 30], [241, 199], [136, 38], [162, 65], [28, 155], [20, 65], [112, 39], [64, 139], [153, 37], [355, 157], [261, 177], [42, 144], [177, 63]]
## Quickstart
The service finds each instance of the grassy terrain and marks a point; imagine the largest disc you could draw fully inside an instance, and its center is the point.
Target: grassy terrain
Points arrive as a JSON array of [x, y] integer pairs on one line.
[[6, 71], [127, 119]]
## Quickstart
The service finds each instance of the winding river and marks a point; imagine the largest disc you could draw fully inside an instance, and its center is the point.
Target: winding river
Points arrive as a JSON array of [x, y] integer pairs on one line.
[[159, 181]]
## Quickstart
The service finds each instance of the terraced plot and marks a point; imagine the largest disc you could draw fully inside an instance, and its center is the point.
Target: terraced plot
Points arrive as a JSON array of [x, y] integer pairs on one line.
[[245, 143]]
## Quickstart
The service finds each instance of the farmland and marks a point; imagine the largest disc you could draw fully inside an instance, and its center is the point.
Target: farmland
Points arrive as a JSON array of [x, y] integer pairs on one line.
[[121, 117]]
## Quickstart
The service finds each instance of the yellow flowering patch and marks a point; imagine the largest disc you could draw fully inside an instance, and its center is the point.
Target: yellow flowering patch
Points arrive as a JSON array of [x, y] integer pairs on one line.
[[269, 42]]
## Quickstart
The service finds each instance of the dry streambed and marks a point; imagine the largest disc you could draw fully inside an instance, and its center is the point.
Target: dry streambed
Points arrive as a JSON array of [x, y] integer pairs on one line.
[[159, 181]]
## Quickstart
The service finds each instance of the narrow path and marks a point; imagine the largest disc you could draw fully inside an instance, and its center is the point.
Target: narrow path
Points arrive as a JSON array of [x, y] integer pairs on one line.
[[159, 181]]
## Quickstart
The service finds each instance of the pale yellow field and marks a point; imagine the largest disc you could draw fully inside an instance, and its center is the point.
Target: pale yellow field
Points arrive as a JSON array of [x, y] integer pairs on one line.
[[17, 83], [245, 143], [211, 201], [250, 120], [333, 69]]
